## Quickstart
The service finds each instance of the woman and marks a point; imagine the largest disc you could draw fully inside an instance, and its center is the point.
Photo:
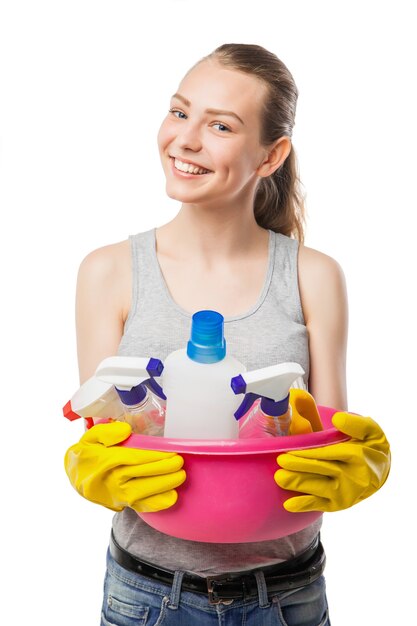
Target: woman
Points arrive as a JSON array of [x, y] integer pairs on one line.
[[235, 246]]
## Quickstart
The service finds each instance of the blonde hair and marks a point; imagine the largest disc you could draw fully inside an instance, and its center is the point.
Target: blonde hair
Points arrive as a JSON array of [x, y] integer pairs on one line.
[[279, 201]]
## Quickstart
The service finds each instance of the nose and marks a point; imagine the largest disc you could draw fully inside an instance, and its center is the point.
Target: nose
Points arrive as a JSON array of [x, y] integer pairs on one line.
[[189, 138]]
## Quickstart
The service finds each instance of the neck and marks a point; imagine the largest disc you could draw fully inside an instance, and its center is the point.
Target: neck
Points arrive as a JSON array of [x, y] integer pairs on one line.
[[209, 232]]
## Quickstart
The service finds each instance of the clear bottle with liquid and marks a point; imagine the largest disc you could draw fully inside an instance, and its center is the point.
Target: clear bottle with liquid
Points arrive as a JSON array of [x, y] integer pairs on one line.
[[143, 410], [143, 400], [257, 423], [265, 410]]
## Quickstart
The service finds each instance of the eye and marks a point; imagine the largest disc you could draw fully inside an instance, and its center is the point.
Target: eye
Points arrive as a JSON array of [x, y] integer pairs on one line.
[[180, 114], [221, 127]]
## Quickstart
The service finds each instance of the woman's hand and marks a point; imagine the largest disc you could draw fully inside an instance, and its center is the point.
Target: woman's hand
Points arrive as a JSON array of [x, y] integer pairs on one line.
[[116, 476], [335, 477]]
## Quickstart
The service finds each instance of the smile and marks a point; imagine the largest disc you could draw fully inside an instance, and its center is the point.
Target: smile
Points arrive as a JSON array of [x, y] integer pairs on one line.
[[189, 168]]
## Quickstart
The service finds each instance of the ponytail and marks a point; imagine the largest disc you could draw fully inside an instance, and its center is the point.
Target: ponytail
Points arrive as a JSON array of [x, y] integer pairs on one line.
[[279, 201]]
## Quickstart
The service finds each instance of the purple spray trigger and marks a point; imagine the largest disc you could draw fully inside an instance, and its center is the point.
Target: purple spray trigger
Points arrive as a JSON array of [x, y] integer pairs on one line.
[[238, 384], [157, 389], [243, 408]]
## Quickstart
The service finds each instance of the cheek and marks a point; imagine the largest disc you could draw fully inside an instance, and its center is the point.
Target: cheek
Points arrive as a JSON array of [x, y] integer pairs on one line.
[[251, 158], [241, 162]]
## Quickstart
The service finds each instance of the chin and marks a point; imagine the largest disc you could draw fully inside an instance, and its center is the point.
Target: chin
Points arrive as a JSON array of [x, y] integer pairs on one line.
[[174, 194], [184, 196]]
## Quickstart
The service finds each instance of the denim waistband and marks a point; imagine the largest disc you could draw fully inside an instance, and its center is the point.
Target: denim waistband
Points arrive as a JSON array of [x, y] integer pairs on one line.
[[296, 572]]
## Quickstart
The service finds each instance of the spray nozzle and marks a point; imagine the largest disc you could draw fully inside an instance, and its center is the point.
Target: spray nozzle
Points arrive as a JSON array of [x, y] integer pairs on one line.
[[271, 384], [69, 413], [93, 398], [128, 372], [127, 375]]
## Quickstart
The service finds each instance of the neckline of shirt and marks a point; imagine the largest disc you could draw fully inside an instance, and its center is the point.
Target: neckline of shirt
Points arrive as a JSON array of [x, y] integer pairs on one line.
[[249, 312]]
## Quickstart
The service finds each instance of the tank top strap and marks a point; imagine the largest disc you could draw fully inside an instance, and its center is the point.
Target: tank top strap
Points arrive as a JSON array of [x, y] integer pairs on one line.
[[146, 280], [284, 286]]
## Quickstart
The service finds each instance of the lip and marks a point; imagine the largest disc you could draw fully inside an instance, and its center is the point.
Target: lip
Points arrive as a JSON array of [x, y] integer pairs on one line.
[[187, 174]]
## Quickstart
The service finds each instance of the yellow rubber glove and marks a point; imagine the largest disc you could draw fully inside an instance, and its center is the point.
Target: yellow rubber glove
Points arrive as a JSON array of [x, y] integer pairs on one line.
[[116, 477], [305, 417], [337, 476]]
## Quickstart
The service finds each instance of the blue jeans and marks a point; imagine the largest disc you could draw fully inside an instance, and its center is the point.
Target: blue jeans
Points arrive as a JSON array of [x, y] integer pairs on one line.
[[133, 600]]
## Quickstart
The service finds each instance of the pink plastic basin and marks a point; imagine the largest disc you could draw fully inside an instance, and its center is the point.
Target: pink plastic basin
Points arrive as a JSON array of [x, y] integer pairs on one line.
[[230, 495]]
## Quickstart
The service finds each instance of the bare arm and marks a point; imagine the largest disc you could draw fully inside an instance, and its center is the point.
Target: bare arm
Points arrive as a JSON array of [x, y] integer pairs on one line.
[[102, 304], [324, 302]]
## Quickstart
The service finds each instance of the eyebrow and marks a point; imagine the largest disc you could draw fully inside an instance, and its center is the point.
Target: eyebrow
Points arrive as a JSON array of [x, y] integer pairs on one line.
[[210, 111]]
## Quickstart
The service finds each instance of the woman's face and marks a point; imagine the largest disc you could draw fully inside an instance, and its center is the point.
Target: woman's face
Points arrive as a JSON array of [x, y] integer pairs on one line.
[[209, 142]]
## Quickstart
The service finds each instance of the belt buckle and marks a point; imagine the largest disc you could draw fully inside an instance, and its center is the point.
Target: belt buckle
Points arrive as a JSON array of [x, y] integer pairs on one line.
[[211, 581]]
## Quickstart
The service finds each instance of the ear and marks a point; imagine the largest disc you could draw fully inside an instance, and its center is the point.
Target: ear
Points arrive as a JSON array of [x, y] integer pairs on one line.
[[275, 157]]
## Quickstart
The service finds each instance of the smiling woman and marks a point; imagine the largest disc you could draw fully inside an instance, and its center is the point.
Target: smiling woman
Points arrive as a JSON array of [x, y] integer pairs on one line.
[[214, 125], [235, 247]]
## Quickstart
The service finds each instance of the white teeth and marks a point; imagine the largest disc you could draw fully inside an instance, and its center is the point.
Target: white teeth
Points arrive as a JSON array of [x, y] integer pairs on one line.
[[189, 168]]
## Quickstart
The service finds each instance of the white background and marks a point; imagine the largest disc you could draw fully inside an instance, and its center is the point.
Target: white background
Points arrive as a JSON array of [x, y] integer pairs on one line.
[[83, 88]]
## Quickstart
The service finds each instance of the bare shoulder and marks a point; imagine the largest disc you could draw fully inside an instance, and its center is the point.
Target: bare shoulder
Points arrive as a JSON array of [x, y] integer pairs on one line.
[[105, 261], [312, 263], [107, 270], [321, 281]]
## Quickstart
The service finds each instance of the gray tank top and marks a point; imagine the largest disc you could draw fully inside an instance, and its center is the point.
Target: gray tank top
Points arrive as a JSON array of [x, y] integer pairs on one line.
[[272, 331]]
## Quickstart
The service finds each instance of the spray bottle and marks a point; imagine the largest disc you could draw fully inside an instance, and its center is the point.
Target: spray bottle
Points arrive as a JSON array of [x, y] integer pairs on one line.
[[265, 410], [93, 401], [196, 381], [142, 398]]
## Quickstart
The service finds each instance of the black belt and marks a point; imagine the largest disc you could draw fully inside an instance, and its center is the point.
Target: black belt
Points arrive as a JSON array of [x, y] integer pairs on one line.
[[296, 572]]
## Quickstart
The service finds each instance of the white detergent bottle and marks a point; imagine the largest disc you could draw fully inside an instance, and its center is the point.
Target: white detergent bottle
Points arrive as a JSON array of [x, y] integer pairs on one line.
[[196, 382], [143, 400], [265, 410]]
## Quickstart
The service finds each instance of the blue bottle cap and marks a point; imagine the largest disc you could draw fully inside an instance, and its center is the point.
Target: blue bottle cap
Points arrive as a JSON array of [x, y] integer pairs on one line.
[[207, 343]]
